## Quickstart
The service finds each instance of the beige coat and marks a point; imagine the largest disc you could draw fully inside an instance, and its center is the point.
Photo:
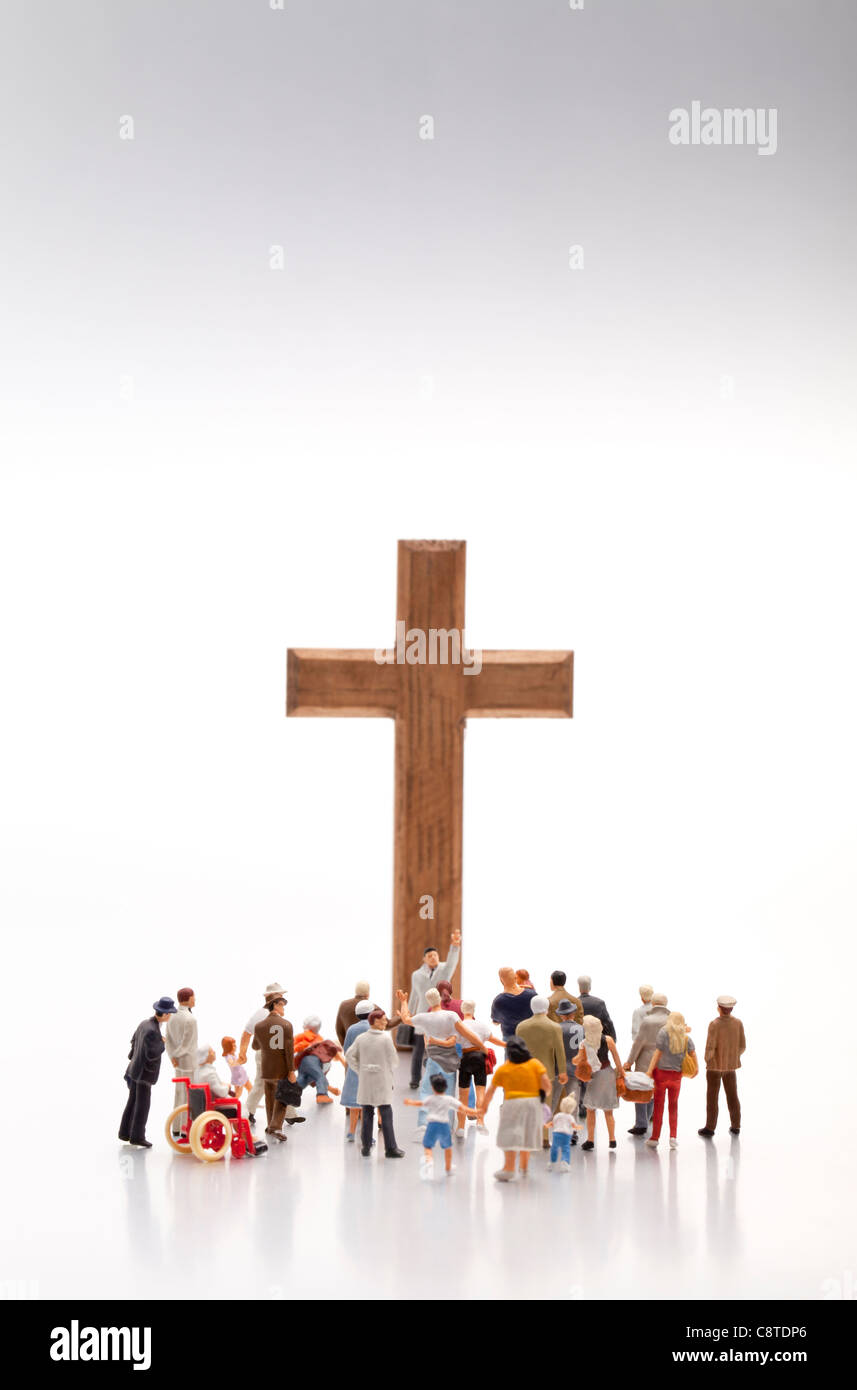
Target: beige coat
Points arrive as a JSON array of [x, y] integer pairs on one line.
[[644, 1045], [373, 1056], [180, 1038], [545, 1041]]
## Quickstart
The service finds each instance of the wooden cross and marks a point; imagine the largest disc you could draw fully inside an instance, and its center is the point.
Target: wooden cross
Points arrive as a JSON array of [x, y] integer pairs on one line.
[[429, 701]]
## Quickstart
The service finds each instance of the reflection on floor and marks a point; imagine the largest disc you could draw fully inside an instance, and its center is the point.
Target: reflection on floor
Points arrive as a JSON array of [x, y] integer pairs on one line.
[[314, 1218]]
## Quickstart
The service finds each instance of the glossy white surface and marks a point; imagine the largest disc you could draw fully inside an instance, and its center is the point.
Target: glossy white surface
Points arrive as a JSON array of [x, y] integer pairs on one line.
[[312, 1217]]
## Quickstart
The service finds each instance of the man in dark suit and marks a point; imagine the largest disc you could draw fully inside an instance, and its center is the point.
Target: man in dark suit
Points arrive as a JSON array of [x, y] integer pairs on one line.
[[144, 1066], [274, 1039]]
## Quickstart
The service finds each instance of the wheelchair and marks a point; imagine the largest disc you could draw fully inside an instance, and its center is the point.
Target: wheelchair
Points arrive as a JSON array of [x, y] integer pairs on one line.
[[210, 1126]]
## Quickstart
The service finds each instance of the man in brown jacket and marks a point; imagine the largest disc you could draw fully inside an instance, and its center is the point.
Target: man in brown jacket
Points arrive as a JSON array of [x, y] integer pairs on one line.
[[275, 1040], [345, 1015], [559, 991], [723, 1048]]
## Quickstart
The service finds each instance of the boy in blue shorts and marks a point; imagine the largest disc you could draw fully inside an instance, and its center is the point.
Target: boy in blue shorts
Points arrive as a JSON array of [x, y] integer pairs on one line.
[[438, 1129]]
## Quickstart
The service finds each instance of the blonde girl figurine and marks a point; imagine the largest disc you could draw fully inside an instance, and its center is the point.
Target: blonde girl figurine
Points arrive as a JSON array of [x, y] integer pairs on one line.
[[238, 1073]]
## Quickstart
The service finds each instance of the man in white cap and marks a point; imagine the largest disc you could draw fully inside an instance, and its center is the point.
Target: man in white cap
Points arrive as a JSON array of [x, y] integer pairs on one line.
[[723, 1048], [258, 1089], [545, 1041]]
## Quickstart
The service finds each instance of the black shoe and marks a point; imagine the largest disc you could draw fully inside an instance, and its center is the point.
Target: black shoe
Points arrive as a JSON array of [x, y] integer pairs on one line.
[[414, 1085], [394, 1153], [251, 1120], [367, 1153], [734, 1131], [612, 1143], [638, 1129], [590, 1144], [124, 1138], [140, 1143], [574, 1141], [706, 1133], [296, 1120], [546, 1143]]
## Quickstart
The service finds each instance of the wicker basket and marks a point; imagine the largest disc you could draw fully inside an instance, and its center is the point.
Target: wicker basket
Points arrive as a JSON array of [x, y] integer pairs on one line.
[[637, 1095]]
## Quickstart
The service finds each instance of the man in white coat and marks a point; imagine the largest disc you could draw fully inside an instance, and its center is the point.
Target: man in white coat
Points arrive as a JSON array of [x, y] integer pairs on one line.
[[258, 1088], [182, 1045], [372, 1056], [423, 978]]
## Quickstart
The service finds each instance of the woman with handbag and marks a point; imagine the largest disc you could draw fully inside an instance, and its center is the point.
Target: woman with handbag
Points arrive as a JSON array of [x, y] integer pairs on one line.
[[524, 1083], [674, 1057], [592, 1065]]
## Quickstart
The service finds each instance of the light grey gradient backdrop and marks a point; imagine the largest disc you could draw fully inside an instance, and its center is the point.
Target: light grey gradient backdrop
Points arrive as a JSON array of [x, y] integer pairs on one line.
[[652, 460]]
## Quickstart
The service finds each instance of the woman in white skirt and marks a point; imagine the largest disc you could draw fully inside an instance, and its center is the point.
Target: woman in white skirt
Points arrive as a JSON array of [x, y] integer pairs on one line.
[[601, 1090], [524, 1083]]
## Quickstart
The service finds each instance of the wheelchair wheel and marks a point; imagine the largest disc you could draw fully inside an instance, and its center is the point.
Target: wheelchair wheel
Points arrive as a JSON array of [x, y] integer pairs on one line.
[[178, 1115], [210, 1136]]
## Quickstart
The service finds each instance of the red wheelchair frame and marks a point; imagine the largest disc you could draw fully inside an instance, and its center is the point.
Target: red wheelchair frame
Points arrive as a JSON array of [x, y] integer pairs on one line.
[[225, 1125]]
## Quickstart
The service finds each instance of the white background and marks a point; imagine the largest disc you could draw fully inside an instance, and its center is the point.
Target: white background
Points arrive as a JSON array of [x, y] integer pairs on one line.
[[206, 461]]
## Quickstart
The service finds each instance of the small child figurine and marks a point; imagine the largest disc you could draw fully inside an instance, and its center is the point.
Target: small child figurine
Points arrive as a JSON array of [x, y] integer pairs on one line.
[[562, 1126], [438, 1129], [238, 1073]]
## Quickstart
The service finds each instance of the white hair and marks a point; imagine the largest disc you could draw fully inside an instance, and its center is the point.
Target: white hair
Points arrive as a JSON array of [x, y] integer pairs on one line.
[[539, 1004], [584, 983], [468, 1006], [312, 1022], [432, 998]]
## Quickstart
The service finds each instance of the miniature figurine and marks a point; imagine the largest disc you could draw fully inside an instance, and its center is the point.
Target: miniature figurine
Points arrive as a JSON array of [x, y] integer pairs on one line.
[[642, 1009], [572, 1037], [346, 1014], [362, 1008], [206, 1073], [472, 1069], [274, 1039], [524, 1082], [601, 1092], [426, 975], [314, 1054], [558, 992], [545, 1042], [438, 1129], [512, 1005], [641, 1053], [672, 1045], [373, 1056], [447, 1000], [562, 1126], [181, 1041], [723, 1048], [144, 1066], [239, 1080], [523, 979], [591, 1004], [258, 1088], [441, 1029]]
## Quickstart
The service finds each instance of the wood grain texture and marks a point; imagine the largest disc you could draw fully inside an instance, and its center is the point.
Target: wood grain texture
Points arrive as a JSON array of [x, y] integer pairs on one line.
[[430, 703]]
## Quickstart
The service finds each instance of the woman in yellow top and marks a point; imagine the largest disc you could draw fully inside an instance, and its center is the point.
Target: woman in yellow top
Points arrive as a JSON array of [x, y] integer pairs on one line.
[[521, 1078]]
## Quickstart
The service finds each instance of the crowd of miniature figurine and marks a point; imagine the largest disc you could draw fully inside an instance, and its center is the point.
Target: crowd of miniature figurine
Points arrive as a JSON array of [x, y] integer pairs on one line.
[[560, 1066]]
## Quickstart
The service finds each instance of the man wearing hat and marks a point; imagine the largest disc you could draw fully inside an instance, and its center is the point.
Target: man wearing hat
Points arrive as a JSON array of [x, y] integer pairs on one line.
[[144, 1066], [273, 1039], [182, 1045], [572, 1038], [258, 1088], [723, 1048]]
